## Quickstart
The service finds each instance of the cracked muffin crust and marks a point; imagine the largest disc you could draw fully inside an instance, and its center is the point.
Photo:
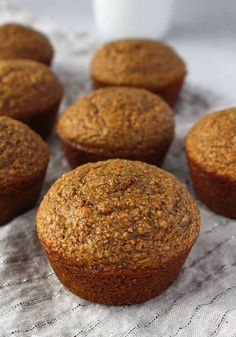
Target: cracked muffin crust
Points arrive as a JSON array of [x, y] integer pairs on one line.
[[22, 42], [139, 63], [29, 92], [211, 151], [23, 163], [118, 122], [114, 221]]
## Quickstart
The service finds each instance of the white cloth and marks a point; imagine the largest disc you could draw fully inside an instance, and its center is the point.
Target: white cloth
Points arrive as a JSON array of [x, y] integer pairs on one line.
[[202, 301]]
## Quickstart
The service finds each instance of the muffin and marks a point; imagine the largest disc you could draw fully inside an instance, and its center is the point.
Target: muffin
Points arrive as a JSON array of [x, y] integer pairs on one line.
[[117, 122], [17, 41], [139, 63], [118, 231], [211, 151], [23, 164], [31, 93]]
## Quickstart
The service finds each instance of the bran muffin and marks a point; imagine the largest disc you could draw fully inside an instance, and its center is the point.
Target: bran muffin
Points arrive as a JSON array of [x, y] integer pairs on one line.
[[117, 122], [31, 93], [211, 151], [23, 164], [18, 41], [117, 231], [139, 63]]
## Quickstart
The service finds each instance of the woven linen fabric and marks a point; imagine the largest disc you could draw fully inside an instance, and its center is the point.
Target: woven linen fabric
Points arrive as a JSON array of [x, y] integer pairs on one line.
[[202, 301]]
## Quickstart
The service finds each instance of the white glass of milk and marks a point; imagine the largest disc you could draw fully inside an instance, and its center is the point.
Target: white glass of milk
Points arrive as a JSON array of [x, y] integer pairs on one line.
[[132, 18]]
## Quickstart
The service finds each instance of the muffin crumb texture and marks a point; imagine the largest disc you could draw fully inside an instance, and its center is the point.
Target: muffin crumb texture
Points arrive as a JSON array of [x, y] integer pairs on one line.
[[18, 41], [23, 154], [137, 62], [211, 143], [118, 213], [118, 119], [27, 88]]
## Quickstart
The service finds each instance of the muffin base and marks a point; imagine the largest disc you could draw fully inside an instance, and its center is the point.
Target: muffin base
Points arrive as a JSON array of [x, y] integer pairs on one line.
[[19, 198], [169, 93], [218, 193], [78, 155], [43, 122], [121, 286], [47, 62]]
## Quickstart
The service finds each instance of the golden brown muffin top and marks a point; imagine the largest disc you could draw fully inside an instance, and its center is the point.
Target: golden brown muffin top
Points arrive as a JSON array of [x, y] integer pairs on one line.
[[27, 88], [137, 62], [17, 41], [118, 213], [23, 153], [118, 119], [211, 143]]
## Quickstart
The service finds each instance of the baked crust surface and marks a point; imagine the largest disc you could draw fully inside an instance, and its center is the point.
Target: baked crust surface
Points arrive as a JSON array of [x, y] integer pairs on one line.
[[118, 213], [18, 41]]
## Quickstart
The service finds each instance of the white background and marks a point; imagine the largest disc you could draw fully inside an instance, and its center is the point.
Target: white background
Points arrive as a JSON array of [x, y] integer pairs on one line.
[[202, 31], [201, 16]]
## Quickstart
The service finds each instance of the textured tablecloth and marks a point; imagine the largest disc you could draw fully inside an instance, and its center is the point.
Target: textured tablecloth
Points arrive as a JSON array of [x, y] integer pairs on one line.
[[202, 301]]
